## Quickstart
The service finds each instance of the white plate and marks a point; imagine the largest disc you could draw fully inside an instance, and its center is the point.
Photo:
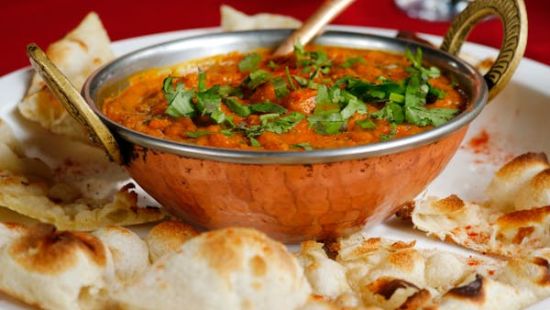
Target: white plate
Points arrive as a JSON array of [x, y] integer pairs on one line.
[[516, 122]]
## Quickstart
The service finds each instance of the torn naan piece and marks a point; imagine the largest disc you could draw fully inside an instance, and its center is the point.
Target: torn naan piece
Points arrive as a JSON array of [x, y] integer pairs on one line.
[[129, 252], [513, 222], [391, 274], [234, 268], [28, 187], [394, 274], [77, 55], [168, 237], [55, 270], [233, 20]]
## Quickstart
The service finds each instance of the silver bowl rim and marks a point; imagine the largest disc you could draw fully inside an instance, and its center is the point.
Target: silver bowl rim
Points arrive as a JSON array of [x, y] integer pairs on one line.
[[476, 104]]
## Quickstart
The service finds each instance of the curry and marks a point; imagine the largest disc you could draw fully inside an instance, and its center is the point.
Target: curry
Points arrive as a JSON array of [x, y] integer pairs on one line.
[[320, 97]]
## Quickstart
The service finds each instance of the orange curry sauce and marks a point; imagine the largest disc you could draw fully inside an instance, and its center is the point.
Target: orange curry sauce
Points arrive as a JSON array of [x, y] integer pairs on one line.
[[142, 105]]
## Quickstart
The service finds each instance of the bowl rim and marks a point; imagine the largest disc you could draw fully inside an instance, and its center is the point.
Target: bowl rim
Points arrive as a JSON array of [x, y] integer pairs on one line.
[[477, 102]]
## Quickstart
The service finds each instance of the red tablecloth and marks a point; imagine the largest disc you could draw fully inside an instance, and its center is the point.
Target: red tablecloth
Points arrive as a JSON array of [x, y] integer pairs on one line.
[[44, 21]]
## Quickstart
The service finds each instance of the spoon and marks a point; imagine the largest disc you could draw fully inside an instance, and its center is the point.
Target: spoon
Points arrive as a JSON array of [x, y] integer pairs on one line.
[[313, 25]]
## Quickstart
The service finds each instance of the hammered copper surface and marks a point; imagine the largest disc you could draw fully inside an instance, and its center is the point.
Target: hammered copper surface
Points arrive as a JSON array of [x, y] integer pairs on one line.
[[290, 202]]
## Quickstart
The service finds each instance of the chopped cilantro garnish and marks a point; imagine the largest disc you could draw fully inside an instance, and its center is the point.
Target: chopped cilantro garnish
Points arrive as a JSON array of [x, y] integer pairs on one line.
[[333, 108], [366, 123], [434, 94], [305, 146], [254, 142], [198, 133], [353, 106], [390, 135], [235, 106], [257, 78], [423, 116], [326, 123], [250, 62], [201, 84], [276, 124], [267, 107], [312, 60], [392, 112], [416, 61], [280, 87], [289, 78], [179, 99], [350, 62], [272, 65], [302, 81]]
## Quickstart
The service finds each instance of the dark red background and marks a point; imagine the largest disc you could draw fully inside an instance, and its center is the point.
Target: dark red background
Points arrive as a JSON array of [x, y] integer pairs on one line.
[[44, 21]]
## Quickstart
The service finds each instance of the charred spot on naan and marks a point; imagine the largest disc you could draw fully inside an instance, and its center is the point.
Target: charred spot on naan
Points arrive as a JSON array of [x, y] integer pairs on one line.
[[44, 249]]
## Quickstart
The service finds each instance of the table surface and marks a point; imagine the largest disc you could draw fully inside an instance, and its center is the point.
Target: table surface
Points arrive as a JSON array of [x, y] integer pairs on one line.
[[44, 21]]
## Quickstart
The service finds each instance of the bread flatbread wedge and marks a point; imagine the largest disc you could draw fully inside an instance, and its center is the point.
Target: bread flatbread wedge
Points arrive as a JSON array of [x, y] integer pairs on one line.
[[28, 187], [168, 237], [77, 55], [53, 270], [392, 274], [513, 222], [233, 20], [129, 252], [234, 268]]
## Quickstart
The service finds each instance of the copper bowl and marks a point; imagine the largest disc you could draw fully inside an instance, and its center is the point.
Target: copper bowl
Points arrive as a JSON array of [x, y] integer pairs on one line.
[[292, 196]]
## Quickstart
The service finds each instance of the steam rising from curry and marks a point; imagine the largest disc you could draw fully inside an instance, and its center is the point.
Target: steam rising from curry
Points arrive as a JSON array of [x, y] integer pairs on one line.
[[317, 98]]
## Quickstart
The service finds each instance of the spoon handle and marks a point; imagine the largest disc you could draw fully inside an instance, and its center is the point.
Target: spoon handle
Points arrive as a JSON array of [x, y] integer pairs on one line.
[[313, 25], [73, 102]]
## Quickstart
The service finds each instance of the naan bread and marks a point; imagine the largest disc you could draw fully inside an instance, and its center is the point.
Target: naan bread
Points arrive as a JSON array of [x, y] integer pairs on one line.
[[233, 20], [54, 270], [391, 274], [77, 55], [168, 237], [129, 252], [28, 187], [514, 221], [233, 268]]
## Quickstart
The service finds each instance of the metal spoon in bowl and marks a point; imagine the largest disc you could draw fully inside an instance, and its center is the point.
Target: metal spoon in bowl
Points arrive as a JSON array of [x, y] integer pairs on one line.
[[313, 25]]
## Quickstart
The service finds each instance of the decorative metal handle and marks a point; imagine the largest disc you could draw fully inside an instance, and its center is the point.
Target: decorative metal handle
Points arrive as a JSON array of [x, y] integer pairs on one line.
[[514, 20], [73, 102], [313, 25]]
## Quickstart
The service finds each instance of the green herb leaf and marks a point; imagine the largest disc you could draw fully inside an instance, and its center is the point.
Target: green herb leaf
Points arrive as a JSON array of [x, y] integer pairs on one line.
[[312, 60], [392, 112], [258, 78], [289, 78], [254, 142], [202, 81], [302, 81], [267, 107], [235, 106], [198, 133], [322, 97], [326, 123], [272, 65], [305, 146], [391, 134], [350, 62], [423, 116], [353, 106], [434, 94], [179, 99], [279, 125], [366, 123], [250, 62], [280, 87]]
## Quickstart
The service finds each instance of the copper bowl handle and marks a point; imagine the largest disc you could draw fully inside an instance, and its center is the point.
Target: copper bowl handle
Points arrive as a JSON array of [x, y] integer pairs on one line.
[[73, 102], [514, 20]]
